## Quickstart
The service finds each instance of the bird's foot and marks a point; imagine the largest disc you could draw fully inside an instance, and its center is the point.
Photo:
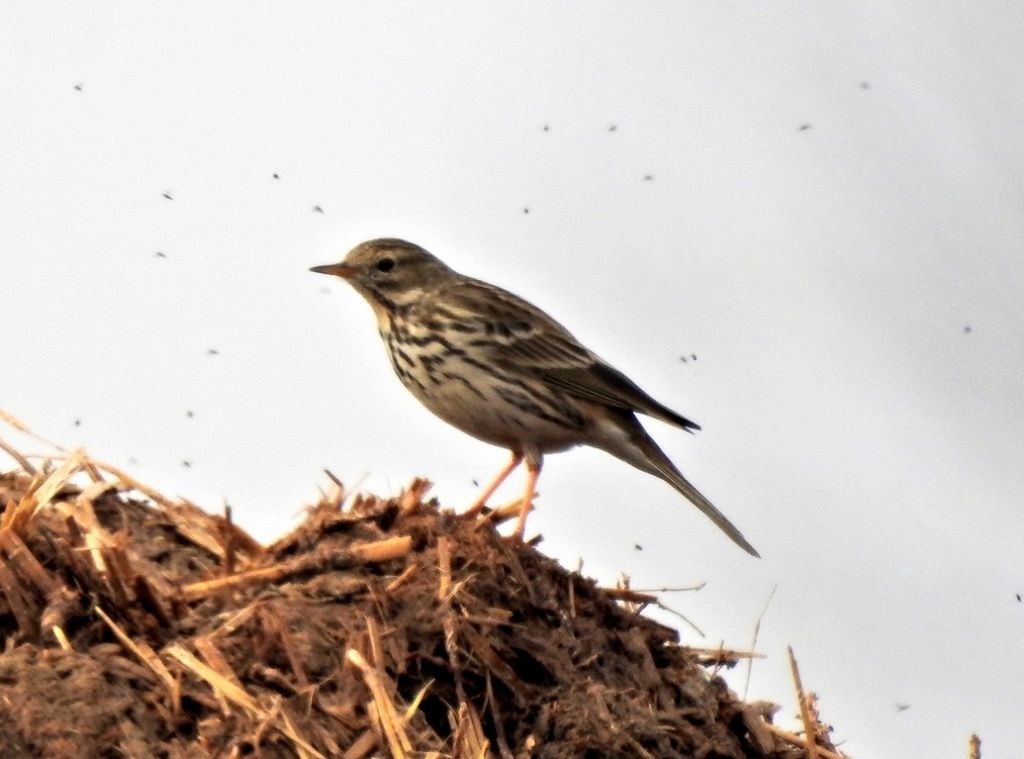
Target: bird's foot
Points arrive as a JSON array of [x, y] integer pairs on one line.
[[508, 511], [474, 509], [498, 514], [518, 540]]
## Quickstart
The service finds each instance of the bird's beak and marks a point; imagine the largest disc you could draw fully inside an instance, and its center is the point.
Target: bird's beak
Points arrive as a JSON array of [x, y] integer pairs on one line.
[[338, 270]]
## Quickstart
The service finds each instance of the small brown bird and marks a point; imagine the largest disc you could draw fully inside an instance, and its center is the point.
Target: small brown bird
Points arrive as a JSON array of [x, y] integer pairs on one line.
[[503, 371]]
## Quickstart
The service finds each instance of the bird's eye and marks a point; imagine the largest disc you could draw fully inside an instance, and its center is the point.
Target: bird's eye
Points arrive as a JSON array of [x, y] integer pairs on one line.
[[386, 264]]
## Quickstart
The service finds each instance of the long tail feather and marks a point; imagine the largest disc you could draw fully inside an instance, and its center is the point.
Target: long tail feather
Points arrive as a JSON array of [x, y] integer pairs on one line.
[[640, 450], [680, 483]]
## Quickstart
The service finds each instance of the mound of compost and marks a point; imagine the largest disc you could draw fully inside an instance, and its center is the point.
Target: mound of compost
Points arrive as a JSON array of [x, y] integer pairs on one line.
[[378, 627]]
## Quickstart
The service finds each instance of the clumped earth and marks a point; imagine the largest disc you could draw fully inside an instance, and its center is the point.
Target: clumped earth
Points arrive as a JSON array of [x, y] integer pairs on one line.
[[149, 628]]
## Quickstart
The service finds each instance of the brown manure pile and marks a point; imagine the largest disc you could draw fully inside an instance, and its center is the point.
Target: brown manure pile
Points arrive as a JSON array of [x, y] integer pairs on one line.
[[377, 628]]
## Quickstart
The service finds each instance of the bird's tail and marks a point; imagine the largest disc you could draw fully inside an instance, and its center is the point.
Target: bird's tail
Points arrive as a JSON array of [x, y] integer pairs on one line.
[[672, 475], [643, 453]]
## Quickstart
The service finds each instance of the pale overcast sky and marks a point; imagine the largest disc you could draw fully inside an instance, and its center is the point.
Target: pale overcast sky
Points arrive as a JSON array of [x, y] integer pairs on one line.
[[823, 203]]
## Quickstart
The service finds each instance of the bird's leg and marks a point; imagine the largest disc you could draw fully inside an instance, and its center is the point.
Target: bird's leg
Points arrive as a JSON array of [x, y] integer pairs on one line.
[[532, 472], [489, 490]]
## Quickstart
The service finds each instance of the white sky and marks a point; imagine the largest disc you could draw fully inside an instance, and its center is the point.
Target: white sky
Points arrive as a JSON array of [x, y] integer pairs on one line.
[[864, 442]]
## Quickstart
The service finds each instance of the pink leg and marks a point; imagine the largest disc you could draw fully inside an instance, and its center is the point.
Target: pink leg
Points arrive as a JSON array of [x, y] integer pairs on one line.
[[489, 490], [532, 472]]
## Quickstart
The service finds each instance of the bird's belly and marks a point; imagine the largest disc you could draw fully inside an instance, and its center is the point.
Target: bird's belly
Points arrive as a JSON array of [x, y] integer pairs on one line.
[[495, 421], [498, 407]]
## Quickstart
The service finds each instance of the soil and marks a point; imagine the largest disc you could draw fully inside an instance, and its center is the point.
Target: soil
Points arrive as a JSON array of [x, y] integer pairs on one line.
[[149, 628]]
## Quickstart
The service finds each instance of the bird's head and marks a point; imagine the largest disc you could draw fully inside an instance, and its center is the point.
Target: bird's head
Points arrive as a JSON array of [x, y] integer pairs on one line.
[[389, 272]]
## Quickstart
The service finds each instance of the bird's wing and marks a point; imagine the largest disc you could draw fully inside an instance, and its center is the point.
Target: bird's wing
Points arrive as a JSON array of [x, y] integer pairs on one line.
[[605, 384], [517, 336]]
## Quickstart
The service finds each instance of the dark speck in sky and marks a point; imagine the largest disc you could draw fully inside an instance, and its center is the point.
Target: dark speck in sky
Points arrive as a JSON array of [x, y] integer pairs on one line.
[[212, 352], [967, 329], [80, 86], [318, 209], [276, 175], [190, 413], [804, 127], [865, 85], [648, 177], [547, 128], [612, 127], [168, 195], [526, 210], [160, 254]]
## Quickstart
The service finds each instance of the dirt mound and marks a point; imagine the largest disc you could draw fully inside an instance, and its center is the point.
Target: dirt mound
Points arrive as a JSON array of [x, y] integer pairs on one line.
[[381, 628]]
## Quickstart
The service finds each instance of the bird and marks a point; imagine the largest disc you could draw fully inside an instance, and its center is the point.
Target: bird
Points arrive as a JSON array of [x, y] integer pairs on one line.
[[501, 370]]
